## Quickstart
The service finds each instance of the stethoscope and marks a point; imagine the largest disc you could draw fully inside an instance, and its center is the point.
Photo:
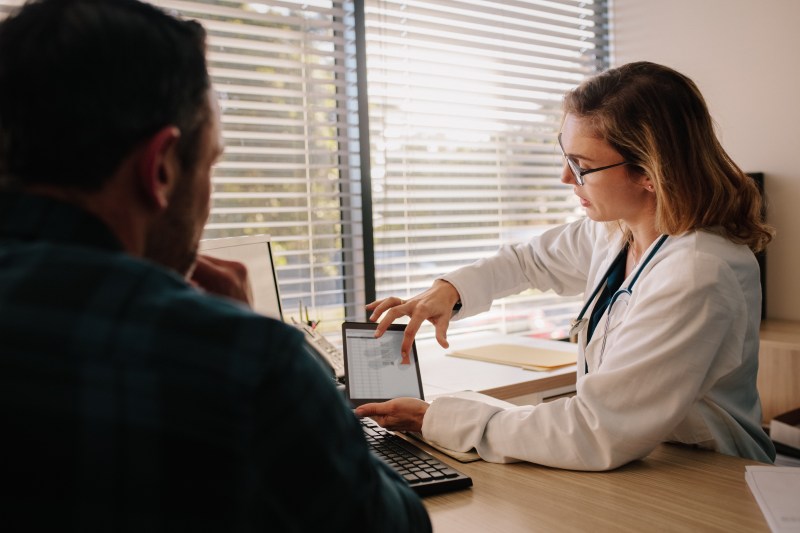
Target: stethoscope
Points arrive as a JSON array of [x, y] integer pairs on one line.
[[580, 322]]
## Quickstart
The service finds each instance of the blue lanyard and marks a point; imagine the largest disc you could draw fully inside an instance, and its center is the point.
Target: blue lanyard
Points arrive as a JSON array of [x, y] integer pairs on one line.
[[579, 323]]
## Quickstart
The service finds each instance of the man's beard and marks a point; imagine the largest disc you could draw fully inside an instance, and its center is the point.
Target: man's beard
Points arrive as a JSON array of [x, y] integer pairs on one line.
[[172, 240]]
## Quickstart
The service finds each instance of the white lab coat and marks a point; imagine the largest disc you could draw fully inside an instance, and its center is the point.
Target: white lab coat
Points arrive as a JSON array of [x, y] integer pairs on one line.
[[680, 367]]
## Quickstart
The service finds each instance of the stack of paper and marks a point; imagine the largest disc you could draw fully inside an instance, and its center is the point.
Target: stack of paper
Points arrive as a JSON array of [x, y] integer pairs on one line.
[[527, 357], [777, 491], [785, 428]]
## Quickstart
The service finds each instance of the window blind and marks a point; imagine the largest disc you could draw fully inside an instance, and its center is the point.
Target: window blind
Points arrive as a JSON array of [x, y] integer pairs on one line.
[[465, 105], [288, 170]]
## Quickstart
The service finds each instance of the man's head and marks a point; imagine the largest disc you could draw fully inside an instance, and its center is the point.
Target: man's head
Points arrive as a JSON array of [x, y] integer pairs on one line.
[[83, 81], [90, 87]]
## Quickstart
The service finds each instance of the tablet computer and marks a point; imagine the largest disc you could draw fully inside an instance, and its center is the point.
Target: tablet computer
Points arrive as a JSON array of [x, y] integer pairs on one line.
[[374, 370]]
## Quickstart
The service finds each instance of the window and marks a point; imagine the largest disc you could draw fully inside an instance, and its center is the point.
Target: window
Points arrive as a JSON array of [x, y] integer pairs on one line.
[[457, 156], [290, 167], [464, 109]]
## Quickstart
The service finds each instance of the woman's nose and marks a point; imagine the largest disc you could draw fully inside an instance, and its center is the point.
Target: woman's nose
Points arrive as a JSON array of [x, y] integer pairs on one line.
[[567, 177]]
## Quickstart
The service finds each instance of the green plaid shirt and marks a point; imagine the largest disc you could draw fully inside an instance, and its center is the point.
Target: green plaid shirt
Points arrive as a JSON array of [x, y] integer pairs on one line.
[[132, 401]]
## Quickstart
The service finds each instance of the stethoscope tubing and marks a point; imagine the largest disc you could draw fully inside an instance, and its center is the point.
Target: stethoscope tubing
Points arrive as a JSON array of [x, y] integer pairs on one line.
[[579, 323], [610, 310]]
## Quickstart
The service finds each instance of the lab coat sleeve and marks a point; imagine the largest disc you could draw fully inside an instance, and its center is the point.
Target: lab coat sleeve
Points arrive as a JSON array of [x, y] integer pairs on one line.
[[559, 259], [681, 319]]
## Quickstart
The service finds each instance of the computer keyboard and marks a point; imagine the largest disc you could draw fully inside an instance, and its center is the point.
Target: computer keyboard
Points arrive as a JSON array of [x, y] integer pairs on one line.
[[425, 473]]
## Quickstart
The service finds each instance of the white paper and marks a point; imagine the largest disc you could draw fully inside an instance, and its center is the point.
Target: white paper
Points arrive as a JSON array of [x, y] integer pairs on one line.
[[777, 491]]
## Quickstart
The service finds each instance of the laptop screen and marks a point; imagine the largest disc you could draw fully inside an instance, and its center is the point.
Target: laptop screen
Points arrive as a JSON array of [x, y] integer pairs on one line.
[[255, 253], [374, 370]]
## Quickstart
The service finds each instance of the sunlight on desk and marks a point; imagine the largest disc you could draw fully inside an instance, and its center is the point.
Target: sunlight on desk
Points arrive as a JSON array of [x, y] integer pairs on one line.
[[445, 374]]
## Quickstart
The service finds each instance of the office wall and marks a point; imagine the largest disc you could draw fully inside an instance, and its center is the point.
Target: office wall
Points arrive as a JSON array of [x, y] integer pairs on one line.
[[745, 57]]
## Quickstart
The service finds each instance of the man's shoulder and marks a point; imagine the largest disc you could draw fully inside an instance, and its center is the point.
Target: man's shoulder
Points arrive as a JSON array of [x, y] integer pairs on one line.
[[210, 323], [139, 307]]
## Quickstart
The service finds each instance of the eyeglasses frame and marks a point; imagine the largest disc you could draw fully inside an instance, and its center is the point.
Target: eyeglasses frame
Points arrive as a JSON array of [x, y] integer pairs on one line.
[[579, 172]]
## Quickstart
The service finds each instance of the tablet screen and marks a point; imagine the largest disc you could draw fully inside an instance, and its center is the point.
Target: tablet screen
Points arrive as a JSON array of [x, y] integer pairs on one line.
[[374, 369]]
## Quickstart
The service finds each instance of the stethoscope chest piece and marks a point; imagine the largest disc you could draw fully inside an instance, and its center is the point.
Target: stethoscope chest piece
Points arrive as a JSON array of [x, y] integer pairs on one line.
[[577, 325]]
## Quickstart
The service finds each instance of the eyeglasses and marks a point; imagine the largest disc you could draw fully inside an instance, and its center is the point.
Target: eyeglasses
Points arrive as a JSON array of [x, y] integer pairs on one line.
[[579, 172]]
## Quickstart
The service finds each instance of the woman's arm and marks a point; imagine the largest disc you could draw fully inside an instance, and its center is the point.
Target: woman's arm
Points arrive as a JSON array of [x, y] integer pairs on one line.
[[684, 330]]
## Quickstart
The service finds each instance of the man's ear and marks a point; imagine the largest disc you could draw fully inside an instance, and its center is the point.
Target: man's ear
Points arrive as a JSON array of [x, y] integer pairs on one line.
[[159, 166]]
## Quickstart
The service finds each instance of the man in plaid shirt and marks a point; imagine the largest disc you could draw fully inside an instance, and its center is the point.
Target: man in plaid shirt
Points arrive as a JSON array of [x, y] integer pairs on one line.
[[131, 399]]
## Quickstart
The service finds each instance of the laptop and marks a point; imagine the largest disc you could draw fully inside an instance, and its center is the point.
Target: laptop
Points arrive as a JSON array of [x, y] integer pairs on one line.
[[375, 372]]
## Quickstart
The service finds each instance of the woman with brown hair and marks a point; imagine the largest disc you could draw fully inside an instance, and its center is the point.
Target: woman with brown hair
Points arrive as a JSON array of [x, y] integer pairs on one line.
[[668, 337]]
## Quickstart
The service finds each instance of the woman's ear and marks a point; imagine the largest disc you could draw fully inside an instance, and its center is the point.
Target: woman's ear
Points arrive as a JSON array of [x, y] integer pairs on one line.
[[647, 183], [159, 166]]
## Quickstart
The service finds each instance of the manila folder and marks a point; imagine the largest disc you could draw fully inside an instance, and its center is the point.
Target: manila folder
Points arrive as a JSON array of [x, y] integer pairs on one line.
[[528, 357]]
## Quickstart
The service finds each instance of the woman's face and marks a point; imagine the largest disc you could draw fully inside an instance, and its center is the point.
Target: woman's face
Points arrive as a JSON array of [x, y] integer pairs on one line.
[[608, 195]]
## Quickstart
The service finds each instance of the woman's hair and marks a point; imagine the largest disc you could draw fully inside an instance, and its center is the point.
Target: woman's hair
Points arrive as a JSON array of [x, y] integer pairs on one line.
[[658, 121]]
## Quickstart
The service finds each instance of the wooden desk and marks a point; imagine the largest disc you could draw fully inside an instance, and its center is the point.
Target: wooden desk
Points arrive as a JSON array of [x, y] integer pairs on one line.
[[779, 367], [674, 489]]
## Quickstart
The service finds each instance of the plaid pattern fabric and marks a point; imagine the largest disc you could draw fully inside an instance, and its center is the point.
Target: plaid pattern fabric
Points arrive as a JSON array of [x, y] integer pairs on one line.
[[132, 401]]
